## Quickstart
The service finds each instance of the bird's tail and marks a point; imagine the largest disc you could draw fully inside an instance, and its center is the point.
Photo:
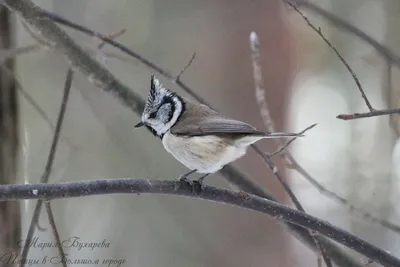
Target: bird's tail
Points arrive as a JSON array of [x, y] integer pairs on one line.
[[282, 135]]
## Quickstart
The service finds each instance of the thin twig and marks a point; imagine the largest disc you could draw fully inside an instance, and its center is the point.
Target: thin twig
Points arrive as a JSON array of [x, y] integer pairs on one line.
[[370, 114], [59, 19], [355, 210], [100, 76], [260, 91], [25, 94], [392, 112], [52, 222], [49, 164], [121, 89], [387, 54], [179, 188], [392, 97], [340, 23], [352, 73], [111, 36], [60, 119], [10, 53], [186, 67], [101, 45], [36, 35], [284, 146]]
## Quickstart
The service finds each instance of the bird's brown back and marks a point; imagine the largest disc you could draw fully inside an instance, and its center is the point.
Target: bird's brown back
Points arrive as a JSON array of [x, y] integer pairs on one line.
[[199, 119]]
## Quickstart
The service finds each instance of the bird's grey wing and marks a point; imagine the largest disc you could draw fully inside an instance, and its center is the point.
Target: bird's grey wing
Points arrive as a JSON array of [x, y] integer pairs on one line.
[[214, 126]]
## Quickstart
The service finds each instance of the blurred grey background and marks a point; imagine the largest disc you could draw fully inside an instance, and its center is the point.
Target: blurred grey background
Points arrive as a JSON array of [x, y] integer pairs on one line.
[[305, 84]]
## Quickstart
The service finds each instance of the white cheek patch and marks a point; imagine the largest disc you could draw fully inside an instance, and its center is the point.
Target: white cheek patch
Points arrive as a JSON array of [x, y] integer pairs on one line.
[[162, 128]]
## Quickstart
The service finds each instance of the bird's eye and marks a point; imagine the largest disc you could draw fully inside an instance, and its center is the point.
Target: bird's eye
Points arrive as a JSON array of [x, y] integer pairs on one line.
[[153, 115]]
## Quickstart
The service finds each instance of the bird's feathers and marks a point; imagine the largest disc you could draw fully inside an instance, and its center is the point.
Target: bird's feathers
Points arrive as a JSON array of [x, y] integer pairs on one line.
[[196, 135], [200, 120], [214, 126]]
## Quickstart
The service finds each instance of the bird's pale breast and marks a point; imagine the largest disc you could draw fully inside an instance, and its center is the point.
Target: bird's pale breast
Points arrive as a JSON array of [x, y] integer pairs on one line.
[[207, 154]]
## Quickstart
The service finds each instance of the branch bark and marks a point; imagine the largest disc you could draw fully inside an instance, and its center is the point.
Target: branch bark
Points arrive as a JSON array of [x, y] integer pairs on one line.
[[179, 188], [265, 114]]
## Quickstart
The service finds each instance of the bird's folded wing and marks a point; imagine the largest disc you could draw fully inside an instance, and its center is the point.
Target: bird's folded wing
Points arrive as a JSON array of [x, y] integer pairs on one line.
[[214, 126]]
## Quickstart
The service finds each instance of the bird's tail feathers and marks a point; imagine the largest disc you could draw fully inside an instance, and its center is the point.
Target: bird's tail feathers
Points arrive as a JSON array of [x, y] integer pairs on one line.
[[282, 135]]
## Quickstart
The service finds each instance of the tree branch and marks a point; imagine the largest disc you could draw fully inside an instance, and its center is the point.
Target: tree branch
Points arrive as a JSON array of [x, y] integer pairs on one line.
[[340, 23], [350, 70], [11, 53], [369, 114], [49, 166], [389, 56], [179, 188], [81, 60], [265, 114], [56, 235]]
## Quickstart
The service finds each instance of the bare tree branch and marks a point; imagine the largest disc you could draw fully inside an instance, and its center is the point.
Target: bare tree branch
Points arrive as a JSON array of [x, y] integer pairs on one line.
[[186, 67], [49, 165], [111, 36], [340, 23], [319, 32], [370, 114], [282, 148], [388, 55], [11, 53], [260, 89], [25, 94], [179, 188], [10, 215], [356, 210], [55, 231]]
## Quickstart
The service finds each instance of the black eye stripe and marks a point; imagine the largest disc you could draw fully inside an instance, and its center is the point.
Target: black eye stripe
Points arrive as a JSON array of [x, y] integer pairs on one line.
[[165, 100], [153, 114]]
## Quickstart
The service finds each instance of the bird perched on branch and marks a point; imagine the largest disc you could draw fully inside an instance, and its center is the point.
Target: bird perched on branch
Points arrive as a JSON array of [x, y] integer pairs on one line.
[[197, 136]]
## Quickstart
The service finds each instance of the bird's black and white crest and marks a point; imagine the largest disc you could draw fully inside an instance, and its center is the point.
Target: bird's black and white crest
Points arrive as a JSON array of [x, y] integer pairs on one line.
[[163, 108]]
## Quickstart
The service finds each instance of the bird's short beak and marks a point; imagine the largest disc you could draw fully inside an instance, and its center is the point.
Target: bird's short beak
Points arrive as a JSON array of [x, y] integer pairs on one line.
[[140, 124]]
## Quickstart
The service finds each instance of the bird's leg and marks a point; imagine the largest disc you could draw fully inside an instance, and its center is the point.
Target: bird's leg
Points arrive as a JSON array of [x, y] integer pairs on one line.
[[201, 179], [183, 177]]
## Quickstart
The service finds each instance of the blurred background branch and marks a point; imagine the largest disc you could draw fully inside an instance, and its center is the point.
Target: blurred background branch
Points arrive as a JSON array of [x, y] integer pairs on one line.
[[10, 219]]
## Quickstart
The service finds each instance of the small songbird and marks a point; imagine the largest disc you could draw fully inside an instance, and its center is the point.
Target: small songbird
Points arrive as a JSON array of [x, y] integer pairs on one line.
[[200, 138]]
